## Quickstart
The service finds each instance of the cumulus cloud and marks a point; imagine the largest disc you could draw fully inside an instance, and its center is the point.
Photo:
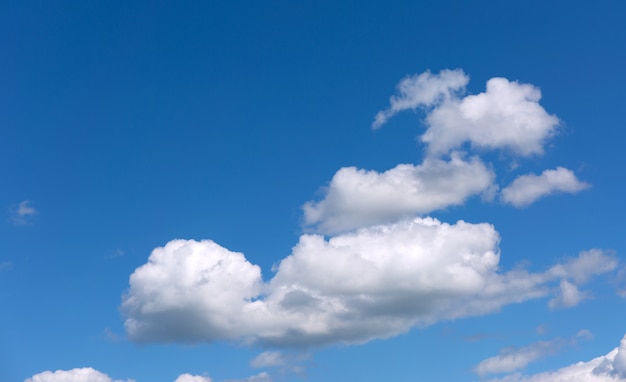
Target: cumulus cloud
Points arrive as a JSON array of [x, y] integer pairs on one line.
[[424, 89], [206, 284], [22, 213], [528, 188], [608, 368], [376, 282], [357, 198], [85, 374], [506, 116], [192, 378]]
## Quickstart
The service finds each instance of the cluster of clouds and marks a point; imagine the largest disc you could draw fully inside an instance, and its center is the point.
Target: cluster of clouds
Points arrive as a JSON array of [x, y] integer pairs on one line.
[[88, 374], [607, 368], [373, 265], [506, 117], [385, 267]]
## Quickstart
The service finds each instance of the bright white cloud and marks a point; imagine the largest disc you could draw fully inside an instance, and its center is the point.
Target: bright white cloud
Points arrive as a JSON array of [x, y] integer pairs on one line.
[[85, 374], [22, 213], [608, 368], [528, 188], [192, 378], [373, 283], [206, 284], [506, 116], [357, 198], [424, 89]]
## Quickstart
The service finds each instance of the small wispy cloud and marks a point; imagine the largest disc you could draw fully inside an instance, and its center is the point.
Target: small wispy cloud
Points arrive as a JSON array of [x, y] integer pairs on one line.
[[22, 213], [513, 359]]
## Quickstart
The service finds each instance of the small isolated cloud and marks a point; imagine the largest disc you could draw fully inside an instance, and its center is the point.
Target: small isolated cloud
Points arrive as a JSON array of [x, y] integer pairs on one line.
[[22, 213], [528, 188], [376, 282], [608, 368], [513, 359], [192, 378], [268, 359], [85, 374], [357, 198], [568, 296], [506, 116]]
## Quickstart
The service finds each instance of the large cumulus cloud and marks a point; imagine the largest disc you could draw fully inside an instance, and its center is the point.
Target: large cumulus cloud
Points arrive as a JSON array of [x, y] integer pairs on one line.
[[375, 282]]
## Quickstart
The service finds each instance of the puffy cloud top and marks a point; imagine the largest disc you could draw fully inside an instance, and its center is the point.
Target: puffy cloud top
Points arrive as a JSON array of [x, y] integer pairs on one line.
[[506, 116], [372, 283], [85, 374], [357, 198]]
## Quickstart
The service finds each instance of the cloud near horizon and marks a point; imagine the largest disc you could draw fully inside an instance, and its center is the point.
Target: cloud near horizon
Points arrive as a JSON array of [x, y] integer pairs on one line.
[[88, 374]]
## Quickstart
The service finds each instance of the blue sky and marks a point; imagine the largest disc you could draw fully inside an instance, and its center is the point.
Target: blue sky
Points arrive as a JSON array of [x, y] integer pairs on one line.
[[322, 191]]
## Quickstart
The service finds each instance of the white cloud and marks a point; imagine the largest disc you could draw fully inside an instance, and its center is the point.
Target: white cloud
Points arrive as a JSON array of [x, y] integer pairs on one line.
[[357, 198], [192, 378], [608, 368], [85, 374], [506, 116], [261, 377], [511, 359], [268, 359], [373, 283], [568, 296], [22, 213], [588, 264], [527, 188], [206, 284], [424, 89]]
